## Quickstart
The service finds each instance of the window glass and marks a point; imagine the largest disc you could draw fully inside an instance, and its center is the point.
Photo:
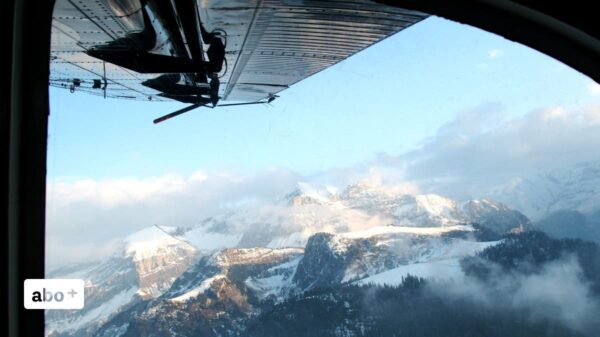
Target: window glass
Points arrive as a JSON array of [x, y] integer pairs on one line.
[[444, 181]]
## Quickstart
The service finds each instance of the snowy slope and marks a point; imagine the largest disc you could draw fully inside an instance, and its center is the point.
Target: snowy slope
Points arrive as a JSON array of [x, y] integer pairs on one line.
[[405, 230], [438, 269], [200, 289], [313, 236], [153, 241], [275, 282], [291, 220], [261, 263], [205, 240], [149, 262], [227, 287], [95, 316], [575, 188], [331, 259], [444, 263]]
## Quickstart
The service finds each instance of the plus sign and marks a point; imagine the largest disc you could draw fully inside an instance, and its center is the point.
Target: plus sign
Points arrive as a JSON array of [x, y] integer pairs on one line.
[[72, 293]]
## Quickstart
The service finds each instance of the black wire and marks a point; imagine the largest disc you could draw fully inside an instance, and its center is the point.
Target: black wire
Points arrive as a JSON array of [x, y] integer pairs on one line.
[[223, 35], [226, 66]]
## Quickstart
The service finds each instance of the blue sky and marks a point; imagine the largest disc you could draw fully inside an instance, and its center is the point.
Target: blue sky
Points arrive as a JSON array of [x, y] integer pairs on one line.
[[386, 99]]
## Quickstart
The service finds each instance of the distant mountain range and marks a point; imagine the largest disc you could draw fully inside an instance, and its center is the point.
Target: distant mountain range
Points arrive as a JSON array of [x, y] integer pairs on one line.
[[222, 276], [215, 278], [227, 289], [575, 188], [289, 221], [564, 203]]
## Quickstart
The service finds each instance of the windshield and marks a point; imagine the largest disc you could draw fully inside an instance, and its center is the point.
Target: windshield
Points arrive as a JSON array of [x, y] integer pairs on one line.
[[442, 182]]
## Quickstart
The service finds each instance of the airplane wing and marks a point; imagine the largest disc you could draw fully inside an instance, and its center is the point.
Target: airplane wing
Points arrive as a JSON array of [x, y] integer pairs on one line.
[[207, 51]]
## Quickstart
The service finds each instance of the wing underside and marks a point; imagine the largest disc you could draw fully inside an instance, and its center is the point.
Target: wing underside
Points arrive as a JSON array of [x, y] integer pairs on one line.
[[209, 50]]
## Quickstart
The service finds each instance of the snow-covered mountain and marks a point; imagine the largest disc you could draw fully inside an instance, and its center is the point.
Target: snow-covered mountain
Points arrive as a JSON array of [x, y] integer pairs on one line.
[[149, 262], [255, 267], [430, 210], [213, 298], [361, 256], [575, 188], [225, 290], [225, 269], [291, 220]]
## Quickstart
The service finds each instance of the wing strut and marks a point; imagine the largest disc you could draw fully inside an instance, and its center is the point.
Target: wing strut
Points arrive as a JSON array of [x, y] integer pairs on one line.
[[177, 113], [270, 99]]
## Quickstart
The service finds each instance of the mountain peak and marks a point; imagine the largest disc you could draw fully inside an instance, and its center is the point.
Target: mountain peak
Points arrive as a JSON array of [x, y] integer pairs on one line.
[[436, 205], [361, 189], [538, 195], [152, 241], [305, 194]]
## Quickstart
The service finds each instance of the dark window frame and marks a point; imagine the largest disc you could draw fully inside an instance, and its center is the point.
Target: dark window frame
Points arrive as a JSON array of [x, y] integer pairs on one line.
[[25, 109]]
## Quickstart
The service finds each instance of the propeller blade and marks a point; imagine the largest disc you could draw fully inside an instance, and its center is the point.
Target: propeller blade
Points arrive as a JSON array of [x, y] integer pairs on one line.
[[177, 113]]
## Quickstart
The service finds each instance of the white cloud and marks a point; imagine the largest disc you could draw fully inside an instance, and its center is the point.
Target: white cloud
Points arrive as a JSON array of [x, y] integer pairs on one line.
[[555, 113], [492, 54], [594, 88], [386, 180], [61, 251], [111, 193], [478, 149], [557, 292], [495, 53], [86, 217], [592, 115]]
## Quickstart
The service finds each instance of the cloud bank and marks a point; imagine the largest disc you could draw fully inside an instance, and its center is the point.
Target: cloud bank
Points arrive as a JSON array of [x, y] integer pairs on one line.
[[480, 150], [86, 218], [558, 292]]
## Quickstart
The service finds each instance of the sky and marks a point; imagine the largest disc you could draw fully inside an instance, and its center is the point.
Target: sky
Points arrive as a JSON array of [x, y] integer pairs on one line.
[[440, 107], [385, 99]]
